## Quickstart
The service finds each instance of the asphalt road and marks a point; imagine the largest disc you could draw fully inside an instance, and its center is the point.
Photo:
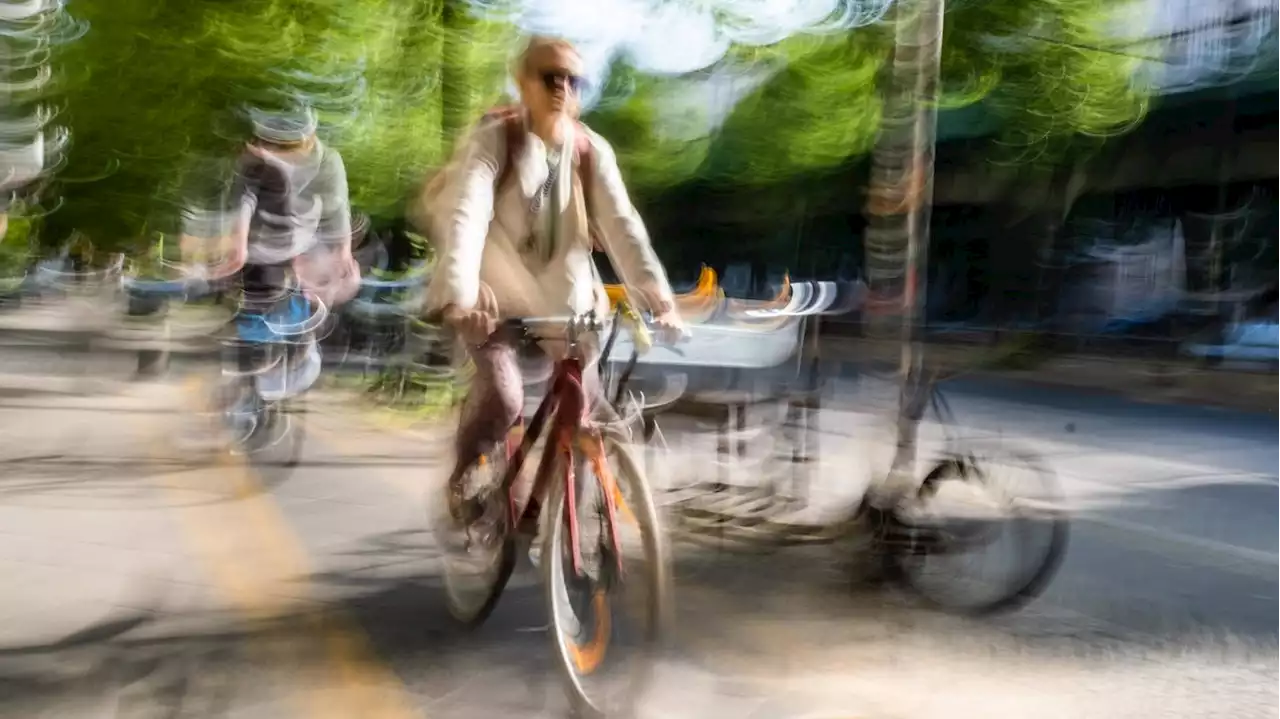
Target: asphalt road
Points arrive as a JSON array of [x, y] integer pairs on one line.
[[141, 583]]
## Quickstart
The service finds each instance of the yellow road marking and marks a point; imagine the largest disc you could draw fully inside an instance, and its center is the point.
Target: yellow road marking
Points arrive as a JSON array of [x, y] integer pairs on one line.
[[256, 561]]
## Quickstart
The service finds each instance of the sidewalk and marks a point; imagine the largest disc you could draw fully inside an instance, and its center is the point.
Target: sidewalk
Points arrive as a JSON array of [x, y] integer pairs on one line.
[[1181, 381], [88, 322]]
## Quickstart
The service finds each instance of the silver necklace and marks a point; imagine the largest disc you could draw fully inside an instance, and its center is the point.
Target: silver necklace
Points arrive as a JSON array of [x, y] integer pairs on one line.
[[535, 207], [553, 171]]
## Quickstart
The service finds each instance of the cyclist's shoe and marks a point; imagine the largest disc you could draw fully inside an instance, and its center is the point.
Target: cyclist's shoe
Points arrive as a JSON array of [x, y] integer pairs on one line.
[[453, 522], [472, 514]]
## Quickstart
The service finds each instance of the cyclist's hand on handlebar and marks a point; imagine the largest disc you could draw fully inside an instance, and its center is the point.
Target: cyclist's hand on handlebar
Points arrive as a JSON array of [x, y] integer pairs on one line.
[[486, 300], [670, 326], [475, 326], [666, 320], [333, 277]]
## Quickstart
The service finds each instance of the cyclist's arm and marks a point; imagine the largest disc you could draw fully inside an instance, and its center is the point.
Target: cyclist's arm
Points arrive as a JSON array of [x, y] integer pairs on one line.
[[623, 233], [244, 195], [455, 283], [335, 203]]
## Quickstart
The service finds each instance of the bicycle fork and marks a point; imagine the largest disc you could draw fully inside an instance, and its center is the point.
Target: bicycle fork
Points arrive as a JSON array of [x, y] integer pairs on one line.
[[593, 446]]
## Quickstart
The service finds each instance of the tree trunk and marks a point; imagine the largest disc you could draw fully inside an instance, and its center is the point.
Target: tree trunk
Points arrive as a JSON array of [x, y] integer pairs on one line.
[[898, 207]]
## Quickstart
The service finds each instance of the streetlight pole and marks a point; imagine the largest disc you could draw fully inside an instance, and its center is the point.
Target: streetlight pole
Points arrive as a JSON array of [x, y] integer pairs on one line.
[[898, 210]]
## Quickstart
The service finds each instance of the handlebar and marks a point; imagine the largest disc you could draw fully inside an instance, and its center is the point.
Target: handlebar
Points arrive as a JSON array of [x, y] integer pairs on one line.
[[569, 324], [574, 325], [579, 324]]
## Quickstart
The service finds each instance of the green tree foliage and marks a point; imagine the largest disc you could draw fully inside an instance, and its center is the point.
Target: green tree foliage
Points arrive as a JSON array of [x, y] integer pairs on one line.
[[659, 143], [140, 91], [155, 95], [1037, 74], [153, 91], [818, 110], [1049, 73]]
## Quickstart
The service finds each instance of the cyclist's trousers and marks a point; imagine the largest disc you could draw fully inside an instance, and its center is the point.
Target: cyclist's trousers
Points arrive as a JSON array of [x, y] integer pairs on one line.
[[495, 400]]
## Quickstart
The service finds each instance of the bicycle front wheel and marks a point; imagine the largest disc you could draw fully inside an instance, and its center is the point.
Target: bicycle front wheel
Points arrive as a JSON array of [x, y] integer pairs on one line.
[[609, 616], [966, 506]]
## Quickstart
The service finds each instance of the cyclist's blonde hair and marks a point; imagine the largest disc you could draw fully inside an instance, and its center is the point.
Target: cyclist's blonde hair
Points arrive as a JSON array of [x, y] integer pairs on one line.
[[535, 44]]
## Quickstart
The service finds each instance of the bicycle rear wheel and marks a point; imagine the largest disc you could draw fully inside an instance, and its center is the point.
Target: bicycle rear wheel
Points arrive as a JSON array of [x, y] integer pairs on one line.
[[607, 621], [937, 530], [476, 559]]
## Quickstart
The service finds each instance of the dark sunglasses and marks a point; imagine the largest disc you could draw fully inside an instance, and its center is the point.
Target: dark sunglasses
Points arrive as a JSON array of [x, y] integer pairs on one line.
[[553, 79]]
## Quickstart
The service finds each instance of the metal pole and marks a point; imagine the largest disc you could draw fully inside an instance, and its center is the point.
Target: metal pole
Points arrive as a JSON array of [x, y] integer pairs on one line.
[[898, 209]]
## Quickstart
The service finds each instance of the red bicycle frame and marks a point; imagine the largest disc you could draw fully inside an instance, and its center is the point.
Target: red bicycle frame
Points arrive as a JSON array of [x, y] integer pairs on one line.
[[567, 407]]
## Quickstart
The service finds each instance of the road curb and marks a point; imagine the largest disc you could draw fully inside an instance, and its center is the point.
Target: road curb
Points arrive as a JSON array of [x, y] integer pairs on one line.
[[12, 386], [1135, 379]]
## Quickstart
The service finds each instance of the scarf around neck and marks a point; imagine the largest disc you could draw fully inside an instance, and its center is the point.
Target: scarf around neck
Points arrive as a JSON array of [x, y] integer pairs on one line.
[[547, 222]]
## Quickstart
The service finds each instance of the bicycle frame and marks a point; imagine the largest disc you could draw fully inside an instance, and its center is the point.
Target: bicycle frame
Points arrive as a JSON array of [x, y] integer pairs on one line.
[[566, 407], [273, 351], [603, 362]]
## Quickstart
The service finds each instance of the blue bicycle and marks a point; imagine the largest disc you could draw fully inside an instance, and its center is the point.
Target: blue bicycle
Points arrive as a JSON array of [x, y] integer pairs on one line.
[[254, 405]]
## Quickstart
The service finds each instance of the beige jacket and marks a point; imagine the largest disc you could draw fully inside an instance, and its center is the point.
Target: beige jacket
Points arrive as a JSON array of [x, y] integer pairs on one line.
[[481, 236]]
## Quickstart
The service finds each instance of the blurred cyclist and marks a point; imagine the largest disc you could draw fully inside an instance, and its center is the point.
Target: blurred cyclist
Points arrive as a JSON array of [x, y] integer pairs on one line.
[[294, 220], [514, 219]]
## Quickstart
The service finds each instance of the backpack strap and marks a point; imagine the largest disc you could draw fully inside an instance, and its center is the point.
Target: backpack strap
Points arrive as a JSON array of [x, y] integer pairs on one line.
[[584, 154], [586, 157]]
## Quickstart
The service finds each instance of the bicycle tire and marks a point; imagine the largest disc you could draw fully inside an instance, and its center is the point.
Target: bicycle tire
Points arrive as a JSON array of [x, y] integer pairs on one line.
[[477, 615], [657, 610], [294, 437], [1030, 584], [276, 455], [474, 613]]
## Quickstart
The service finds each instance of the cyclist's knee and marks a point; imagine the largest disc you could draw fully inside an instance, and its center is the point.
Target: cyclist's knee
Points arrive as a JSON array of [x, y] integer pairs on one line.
[[502, 410]]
